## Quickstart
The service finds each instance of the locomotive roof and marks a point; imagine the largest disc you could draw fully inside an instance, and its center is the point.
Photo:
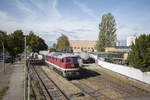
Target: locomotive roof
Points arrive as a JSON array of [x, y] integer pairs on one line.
[[61, 55]]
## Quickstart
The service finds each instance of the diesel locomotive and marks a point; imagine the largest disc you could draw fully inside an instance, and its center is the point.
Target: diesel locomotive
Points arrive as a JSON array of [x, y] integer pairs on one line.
[[66, 64]]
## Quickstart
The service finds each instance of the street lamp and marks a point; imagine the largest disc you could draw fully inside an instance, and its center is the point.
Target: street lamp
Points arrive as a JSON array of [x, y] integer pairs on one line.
[[25, 71], [3, 55]]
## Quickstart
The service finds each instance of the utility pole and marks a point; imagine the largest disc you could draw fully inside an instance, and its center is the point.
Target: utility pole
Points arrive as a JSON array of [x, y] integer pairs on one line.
[[3, 56], [25, 70], [28, 81]]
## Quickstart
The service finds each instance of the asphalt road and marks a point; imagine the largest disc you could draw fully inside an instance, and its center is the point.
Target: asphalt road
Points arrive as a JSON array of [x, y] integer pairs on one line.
[[16, 90]]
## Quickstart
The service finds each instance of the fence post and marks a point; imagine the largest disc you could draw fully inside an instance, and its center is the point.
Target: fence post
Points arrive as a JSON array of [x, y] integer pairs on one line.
[[28, 81]]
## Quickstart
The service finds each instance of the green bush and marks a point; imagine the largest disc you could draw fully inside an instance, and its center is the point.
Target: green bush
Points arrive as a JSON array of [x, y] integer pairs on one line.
[[139, 56]]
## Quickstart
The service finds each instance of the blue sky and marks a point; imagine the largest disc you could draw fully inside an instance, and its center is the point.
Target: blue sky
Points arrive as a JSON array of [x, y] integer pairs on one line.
[[78, 19]]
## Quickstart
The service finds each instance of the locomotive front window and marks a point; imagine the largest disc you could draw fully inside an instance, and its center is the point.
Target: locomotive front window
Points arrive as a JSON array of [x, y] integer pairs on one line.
[[62, 60], [68, 60], [75, 60]]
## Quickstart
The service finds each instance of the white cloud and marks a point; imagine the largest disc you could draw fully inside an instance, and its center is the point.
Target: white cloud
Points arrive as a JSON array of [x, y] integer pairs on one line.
[[84, 8], [51, 27], [3, 15], [24, 8], [50, 30], [124, 31], [38, 3], [54, 6]]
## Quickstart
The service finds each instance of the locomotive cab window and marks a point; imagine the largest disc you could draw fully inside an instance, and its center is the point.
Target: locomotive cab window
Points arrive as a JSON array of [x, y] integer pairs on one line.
[[62, 60], [68, 60], [75, 60]]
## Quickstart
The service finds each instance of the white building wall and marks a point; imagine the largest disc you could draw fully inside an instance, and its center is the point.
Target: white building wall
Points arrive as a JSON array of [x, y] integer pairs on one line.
[[127, 71], [124, 70], [130, 40]]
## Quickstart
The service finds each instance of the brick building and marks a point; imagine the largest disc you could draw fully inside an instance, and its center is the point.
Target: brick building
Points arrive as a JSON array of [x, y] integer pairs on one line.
[[83, 45]]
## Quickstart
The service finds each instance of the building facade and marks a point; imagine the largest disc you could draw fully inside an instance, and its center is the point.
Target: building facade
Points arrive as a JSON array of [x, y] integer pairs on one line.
[[119, 49], [83, 45], [130, 40]]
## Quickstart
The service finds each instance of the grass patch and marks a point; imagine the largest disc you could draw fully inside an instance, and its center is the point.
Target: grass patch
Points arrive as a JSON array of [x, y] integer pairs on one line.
[[3, 91]]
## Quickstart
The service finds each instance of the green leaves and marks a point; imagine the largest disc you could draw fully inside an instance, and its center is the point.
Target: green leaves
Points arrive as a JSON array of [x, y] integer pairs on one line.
[[15, 42], [62, 44], [140, 53], [35, 43], [3, 38], [107, 34]]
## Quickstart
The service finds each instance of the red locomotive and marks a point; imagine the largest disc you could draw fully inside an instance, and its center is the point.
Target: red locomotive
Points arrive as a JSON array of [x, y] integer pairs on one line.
[[66, 64]]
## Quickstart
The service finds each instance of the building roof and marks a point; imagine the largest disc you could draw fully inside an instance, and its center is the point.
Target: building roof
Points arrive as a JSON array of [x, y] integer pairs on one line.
[[61, 55], [119, 47]]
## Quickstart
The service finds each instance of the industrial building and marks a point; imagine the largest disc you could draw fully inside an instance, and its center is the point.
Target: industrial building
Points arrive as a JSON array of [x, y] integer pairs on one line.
[[83, 45], [119, 49]]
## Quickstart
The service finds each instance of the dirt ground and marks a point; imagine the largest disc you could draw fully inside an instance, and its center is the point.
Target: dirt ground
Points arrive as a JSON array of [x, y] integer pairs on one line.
[[116, 86], [104, 82]]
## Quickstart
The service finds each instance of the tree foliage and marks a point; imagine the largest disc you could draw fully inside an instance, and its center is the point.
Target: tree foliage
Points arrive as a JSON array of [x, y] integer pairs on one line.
[[35, 43], [139, 56], [3, 40], [107, 34], [53, 48], [62, 44], [15, 43]]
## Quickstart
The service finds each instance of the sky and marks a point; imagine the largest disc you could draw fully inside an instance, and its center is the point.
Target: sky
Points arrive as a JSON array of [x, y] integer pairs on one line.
[[78, 19]]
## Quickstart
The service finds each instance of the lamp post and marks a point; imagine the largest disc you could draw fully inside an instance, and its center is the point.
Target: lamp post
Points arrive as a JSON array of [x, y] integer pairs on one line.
[[3, 56], [25, 71]]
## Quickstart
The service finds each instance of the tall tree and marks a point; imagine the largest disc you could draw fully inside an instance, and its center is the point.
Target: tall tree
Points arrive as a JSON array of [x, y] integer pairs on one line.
[[15, 43], [107, 34], [35, 43], [3, 39], [139, 56], [63, 44]]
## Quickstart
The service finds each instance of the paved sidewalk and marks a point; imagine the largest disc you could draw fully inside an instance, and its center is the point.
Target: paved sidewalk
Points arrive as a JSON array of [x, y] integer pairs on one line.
[[16, 90]]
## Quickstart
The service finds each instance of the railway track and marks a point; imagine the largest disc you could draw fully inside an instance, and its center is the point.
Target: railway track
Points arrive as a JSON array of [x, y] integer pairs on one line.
[[35, 77], [95, 94], [124, 89], [92, 93], [50, 89]]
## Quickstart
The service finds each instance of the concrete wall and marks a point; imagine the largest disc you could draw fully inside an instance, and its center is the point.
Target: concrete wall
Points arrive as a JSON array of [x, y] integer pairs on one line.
[[127, 71]]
